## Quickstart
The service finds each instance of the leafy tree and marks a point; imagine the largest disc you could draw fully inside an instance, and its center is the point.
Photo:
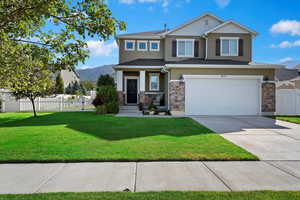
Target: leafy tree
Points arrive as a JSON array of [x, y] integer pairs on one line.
[[33, 78], [75, 88], [89, 85], [105, 80], [59, 84], [32, 22]]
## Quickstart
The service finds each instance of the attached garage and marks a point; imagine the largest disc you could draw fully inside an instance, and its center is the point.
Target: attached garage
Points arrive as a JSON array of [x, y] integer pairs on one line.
[[222, 95]]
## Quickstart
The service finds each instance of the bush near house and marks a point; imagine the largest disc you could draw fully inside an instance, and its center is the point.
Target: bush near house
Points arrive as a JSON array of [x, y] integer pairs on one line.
[[106, 100]]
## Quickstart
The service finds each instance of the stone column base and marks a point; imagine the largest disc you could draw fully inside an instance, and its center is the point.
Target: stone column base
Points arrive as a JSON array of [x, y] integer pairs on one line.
[[268, 98], [121, 98], [177, 96]]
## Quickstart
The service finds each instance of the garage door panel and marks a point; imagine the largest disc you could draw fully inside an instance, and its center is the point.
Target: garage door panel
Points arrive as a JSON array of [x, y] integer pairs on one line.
[[222, 96]]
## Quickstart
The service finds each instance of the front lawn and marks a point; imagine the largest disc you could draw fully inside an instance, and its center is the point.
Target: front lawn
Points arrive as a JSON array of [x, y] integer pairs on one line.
[[263, 195], [293, 119], [85, 136]]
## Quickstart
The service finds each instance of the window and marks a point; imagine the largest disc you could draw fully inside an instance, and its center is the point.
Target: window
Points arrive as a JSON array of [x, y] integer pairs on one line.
[[154, 45], [229, 46], [129, 45], [185, 48], [142, 46], [154, 82]]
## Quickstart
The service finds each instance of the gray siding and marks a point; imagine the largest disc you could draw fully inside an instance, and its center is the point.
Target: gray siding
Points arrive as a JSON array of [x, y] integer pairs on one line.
[[168, 47], [247, 56], [126, 56]]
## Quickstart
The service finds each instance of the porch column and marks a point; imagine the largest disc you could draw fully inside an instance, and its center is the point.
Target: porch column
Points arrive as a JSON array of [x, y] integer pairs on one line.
[[119, 81], [142, 81], [119, 77]]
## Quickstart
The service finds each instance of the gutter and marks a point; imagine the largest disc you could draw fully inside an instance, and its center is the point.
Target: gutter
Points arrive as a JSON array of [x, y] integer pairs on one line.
[[265, 66]]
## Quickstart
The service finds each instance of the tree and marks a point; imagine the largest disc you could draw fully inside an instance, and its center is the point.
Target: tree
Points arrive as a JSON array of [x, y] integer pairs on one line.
[[59, 84], [89, 85], [33, 78], [105, 80], [33, 22]]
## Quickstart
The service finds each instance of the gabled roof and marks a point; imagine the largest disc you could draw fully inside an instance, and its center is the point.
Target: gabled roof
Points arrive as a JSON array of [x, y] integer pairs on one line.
[[286, 74], [254, 33], [148, 34], [192, 21]]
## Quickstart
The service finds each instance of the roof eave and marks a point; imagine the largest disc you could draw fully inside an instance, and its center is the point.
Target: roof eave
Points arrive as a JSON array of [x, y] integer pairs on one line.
[[249, 66]]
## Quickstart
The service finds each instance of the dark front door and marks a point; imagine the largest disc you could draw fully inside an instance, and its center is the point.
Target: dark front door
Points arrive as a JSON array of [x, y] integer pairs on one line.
[[131, 90]]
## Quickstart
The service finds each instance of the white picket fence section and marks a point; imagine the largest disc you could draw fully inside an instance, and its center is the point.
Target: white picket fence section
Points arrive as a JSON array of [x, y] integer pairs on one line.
[[288, 102], [52, 104]]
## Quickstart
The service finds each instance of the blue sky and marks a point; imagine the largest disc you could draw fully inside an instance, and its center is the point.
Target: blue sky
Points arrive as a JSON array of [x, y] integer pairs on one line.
[[276, 21]]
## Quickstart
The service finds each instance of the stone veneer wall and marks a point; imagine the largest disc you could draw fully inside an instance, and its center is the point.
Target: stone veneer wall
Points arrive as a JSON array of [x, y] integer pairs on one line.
[[121, 98], [268, 97], [147, 99], [177, 95]]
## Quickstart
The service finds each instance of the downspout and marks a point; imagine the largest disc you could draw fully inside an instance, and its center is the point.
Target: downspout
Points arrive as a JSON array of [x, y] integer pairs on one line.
[[206, 47], [168, 77]]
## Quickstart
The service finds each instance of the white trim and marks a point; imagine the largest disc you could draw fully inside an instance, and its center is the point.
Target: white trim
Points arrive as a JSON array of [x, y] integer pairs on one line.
[[258, 77], [136, 67], [154, 74], [133, 45], [153, 92], [154, 41], [138, 86], [142, 41], [185, 40], [254, 33], [229, 39], [265, 66]]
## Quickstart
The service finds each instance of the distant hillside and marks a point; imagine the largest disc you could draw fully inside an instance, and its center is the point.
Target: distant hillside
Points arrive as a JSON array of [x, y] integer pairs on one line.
[[92, 74]]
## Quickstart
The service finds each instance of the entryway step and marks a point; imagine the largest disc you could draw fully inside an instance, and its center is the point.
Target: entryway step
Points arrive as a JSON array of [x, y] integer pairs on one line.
[[129, 108]]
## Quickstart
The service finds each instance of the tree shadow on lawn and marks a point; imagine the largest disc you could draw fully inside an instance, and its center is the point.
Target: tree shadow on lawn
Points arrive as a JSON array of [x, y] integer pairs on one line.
[[113, 128]]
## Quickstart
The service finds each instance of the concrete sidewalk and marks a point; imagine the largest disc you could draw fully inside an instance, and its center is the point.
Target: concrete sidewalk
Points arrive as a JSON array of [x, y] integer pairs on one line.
[[150, 176]]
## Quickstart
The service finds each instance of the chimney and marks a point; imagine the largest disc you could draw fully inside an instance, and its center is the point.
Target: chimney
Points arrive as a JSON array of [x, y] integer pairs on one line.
[[165, 27]]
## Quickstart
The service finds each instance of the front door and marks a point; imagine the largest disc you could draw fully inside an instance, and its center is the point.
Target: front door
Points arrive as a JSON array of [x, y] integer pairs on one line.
[[132, 91]]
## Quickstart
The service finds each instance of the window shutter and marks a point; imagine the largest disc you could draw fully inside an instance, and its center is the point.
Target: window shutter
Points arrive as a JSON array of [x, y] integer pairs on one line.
[[174, 48], [241, 47], [196, 48], [218, 47]]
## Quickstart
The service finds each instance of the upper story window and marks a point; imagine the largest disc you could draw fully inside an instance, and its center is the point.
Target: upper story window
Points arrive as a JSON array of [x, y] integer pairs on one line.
[[229, 46], [154, 45], [142, 45], [185, 47], [129, 45], [154, 82]]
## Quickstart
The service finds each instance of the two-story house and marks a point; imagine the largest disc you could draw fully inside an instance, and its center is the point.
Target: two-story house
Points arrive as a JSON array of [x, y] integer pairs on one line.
[[203, 67]]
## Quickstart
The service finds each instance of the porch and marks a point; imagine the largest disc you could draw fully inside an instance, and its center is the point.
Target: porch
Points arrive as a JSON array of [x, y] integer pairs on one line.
[[142, 87]]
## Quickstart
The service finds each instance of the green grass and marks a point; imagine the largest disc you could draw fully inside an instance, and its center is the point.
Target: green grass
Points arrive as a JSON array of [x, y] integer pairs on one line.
[[263, 195], [85, 136], [293, 119]]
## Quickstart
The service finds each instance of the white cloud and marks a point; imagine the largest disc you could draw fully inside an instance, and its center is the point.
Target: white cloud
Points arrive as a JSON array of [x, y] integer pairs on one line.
[[287, 59], [291, 27], [286, 44], [222, 3], [100, 48], [164, 3], [127, 1]]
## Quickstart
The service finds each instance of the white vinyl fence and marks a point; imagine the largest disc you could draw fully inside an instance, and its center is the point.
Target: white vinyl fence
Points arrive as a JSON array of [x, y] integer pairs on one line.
[[52, 104], [288, 102]]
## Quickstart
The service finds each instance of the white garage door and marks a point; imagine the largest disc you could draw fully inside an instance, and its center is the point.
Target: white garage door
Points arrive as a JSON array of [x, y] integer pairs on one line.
[[216, 95]]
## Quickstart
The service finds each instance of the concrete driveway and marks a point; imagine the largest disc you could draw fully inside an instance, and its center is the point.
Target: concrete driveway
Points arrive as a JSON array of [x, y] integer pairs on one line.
[[267, 138]]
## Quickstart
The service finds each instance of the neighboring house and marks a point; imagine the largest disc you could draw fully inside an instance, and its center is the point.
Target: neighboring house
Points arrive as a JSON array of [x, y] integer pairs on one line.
[[69, 77], [288, 91], [203, 67], [288, 78]]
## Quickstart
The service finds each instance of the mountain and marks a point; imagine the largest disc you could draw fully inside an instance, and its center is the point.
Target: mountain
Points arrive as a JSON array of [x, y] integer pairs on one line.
[[92, 74]]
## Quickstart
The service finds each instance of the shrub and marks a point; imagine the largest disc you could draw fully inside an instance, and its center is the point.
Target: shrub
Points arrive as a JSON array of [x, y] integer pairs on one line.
[[105, 80], [97, 101], [101, 109], [112, 107], [108, 94]]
